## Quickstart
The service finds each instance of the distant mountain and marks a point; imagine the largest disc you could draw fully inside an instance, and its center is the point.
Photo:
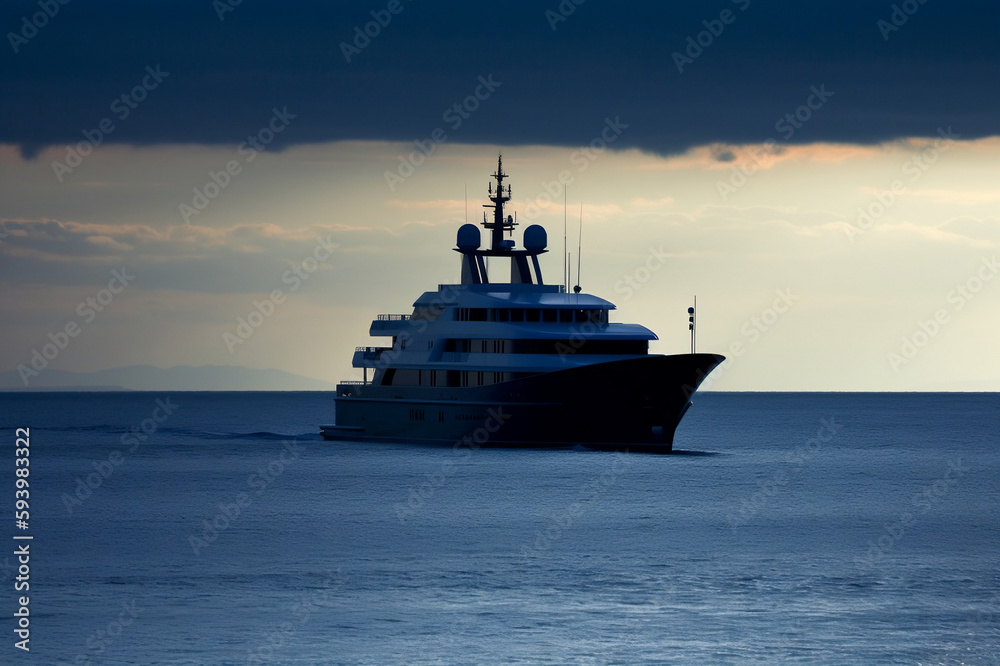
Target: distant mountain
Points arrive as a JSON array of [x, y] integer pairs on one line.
[[180, 378]]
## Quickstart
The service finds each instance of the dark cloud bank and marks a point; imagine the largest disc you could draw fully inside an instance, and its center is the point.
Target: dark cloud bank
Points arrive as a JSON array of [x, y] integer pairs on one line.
[[562, 68]]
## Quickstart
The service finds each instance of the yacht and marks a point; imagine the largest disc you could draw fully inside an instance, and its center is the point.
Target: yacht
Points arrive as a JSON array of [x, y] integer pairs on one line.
[[516, 363]]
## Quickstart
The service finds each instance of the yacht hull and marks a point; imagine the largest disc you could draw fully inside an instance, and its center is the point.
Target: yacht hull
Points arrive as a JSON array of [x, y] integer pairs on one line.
[[633, 404]]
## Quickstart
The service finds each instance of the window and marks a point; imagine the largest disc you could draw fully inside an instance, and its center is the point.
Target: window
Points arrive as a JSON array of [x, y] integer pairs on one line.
[[579, 345], [517, 314], [532, 315], [460, 345], [550, 316]]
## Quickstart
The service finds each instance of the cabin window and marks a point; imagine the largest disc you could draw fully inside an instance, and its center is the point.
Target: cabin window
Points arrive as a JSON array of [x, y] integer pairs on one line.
[[550, 316], [477, 314], [400, 377], [460, 345], [517, 314], [532, 315]]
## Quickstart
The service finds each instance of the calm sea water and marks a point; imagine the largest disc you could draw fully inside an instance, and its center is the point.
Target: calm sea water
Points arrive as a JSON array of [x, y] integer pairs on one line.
[[794, 528]]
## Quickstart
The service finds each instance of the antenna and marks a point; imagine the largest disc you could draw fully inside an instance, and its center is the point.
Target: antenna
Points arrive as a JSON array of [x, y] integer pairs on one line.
[[579, 251], [466, 202], [565, 256]]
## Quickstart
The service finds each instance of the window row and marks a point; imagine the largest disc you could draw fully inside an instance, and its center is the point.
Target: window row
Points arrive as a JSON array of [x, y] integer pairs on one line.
[[452, 378], [547, 315], [581, 345]]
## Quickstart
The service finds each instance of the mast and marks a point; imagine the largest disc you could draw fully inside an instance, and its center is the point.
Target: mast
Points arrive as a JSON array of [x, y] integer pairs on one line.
[[524, 267], [499, 224]]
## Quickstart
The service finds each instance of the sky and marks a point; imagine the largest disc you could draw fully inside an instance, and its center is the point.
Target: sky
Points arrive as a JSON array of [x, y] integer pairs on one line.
[[822, 177]]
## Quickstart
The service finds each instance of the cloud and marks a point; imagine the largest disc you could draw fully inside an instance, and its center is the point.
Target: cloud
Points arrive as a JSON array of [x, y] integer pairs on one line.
[[236, 258], [556, 85]]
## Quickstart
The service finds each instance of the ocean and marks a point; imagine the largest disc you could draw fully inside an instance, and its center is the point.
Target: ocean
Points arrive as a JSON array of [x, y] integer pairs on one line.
[[219, 528]]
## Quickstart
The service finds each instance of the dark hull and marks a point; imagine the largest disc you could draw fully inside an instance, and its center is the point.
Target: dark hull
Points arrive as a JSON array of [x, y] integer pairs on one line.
[[634, 404]]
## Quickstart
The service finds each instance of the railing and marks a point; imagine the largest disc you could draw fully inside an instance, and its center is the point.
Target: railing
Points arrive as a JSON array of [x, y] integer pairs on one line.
[[353, 382], [393, 317], [370, 353]]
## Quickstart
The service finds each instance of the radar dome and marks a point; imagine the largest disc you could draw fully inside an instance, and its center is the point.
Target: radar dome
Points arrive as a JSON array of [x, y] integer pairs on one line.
[[535, 238], [468, 237]]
